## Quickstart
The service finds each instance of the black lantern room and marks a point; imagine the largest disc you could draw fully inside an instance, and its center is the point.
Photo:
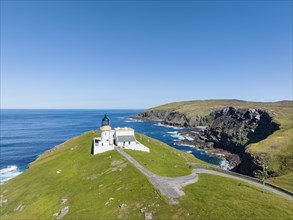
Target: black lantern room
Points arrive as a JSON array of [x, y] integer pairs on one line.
[[105, 121]]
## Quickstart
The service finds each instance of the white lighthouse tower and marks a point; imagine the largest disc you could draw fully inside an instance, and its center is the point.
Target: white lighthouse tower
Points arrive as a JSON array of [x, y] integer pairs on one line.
[[106, 132], [105, 142]]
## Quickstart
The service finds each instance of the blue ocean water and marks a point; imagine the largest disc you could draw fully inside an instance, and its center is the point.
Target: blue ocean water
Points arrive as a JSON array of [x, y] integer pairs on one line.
[[25, 134]]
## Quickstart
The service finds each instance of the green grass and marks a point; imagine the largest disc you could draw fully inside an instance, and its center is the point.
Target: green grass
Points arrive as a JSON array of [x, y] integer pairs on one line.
[[204, 107], [276, 150], [219, 198], [162, 159], [89, 181], [284, 181]]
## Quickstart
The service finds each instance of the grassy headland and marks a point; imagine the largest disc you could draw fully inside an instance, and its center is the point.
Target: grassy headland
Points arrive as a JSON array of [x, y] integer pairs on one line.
[[108, 186]]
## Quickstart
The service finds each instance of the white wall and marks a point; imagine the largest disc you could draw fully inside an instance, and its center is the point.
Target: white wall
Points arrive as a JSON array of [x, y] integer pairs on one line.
[[121, 144], [124, 133], [105, 135], [101, 146], [137, 147], [107, 138], [111, 137], [100, 149]]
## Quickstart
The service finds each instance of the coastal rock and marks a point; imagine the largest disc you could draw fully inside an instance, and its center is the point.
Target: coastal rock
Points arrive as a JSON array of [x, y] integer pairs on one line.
[[63, 212], [230, 129], [19, 208], [109, 201], [173, 118], [233, 129], [122, 206], [148, 216], [2, 201], [64, 200]]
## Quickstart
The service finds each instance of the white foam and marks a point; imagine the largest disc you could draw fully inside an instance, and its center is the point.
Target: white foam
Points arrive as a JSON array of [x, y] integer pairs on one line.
[[129, 120], [189, 138], [8, 169], [8, 173], [221, 155], [224, 164], [186, 145], [167, 126], [189, 151], [177, 136]]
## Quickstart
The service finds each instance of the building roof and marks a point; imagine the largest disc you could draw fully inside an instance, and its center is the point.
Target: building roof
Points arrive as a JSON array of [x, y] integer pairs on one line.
[[123, 129], [125, 138]]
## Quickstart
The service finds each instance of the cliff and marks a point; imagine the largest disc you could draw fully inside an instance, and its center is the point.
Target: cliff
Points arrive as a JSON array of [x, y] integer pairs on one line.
[[174, 118], [240, 127], [233, 129]]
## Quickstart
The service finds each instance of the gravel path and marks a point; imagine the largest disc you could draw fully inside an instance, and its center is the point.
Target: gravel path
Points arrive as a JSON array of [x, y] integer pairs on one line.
[[171, 187]]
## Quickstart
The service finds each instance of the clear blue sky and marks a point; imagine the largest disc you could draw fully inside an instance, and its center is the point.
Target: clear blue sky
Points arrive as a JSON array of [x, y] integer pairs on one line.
[[139, 54]]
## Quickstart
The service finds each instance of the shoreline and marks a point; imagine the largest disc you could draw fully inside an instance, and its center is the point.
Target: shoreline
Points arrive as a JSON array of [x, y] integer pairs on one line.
[[194, 138], [185, 139], [9, 172]]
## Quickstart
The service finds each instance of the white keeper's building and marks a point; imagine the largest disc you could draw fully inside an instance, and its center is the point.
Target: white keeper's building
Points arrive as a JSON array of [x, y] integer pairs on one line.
[[119, 137]]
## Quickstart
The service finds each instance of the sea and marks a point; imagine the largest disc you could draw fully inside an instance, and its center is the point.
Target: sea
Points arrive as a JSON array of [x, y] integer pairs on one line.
[[26, 134]]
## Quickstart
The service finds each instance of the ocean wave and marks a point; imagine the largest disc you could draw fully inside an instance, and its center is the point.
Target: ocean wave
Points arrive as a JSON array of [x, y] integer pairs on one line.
[[119, 117], [167, 126], [8, 173], [224, 164], [172, 132], [129, 120], [189, 138], [186, 145], [177, 137]]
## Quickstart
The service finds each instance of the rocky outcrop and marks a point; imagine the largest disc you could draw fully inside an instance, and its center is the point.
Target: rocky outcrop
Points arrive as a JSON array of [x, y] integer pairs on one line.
[[174, 118], [231, 129], [152, 115], [249, 165]]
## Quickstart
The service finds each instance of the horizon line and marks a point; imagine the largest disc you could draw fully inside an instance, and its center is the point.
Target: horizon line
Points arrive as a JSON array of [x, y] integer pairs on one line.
[[135, 108], [72, 108]]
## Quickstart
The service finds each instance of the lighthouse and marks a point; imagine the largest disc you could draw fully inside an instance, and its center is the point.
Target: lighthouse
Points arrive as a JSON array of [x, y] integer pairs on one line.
[[106, 132], [123, 138]]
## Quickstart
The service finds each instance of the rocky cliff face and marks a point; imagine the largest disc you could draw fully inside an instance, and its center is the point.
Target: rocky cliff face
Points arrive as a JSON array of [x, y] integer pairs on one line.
[[174, 118], [229, 128], [233, 129], [251, 165]]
